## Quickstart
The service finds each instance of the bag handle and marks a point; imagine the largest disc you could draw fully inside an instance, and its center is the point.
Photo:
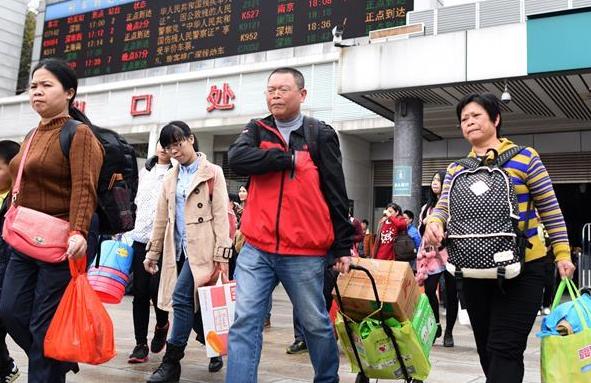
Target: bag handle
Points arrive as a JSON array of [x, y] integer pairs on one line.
[[77, 266], [21, 168], [574, 295]]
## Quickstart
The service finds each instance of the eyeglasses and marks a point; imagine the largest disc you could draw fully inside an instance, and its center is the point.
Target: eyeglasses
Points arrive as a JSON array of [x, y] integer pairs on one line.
[[282, 91], [174, 146]]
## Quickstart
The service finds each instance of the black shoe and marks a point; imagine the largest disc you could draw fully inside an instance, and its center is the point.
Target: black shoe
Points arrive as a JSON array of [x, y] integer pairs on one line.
[[438, 333], [361, 379], [215, 364], [138, 355], [10, 373], [169, 370], [297, 347], [159, 340], [448, 340]]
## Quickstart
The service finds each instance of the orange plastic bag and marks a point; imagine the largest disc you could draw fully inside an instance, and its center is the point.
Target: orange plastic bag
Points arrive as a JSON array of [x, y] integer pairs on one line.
[[81, 329]]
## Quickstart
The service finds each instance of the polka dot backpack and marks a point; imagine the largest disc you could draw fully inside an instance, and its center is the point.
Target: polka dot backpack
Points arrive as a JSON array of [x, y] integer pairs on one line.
[[483, 240]]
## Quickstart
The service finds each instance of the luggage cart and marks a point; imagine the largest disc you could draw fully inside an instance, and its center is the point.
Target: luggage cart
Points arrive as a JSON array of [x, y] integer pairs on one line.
[[362, 377], [584, 261]]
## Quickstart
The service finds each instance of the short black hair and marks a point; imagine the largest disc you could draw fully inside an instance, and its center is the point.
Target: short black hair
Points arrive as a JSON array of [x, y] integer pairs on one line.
[[488, 101], [176, 131], [297, 75], [396, 207], [409, 214], [8, 149], [365, 221]]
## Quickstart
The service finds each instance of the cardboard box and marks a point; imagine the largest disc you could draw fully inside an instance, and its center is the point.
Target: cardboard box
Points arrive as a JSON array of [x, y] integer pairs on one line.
[[217, 305], [396, 286]]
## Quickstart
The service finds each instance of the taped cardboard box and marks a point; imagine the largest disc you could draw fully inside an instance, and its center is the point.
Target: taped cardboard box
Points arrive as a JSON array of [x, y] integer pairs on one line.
[[396, 285]]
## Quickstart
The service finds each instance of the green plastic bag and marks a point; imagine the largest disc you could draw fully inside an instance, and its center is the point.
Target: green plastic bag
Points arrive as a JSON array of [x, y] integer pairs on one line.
[[376, 351], [567, 358], [424, 325]]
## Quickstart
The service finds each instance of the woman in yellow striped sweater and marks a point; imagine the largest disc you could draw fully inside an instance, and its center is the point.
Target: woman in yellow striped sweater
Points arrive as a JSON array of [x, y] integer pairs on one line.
[[502, 320]]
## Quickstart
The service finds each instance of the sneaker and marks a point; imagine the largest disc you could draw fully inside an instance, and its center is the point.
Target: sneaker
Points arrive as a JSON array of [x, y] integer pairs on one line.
[[139, 354], [297, 347], [546, 311], [159, 340], [10, 374]]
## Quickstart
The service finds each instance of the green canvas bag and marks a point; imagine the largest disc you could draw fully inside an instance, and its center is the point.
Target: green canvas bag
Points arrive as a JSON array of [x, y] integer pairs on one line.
[[567, 358], [376, 351]]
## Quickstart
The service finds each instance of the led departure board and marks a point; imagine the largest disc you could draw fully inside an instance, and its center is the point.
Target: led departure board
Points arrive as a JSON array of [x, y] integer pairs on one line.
[[99, 37]]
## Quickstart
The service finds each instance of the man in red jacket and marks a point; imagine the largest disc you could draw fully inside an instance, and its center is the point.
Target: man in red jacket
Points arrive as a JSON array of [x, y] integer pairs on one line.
[[296, 213]]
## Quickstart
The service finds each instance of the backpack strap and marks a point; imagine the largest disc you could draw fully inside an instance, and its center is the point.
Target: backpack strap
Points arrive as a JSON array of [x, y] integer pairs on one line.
[[67, 134], [311, 131], [468, 162], [507, 155]]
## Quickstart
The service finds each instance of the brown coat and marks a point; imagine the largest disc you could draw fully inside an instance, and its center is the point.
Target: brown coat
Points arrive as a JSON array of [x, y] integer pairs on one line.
[[207, 229]]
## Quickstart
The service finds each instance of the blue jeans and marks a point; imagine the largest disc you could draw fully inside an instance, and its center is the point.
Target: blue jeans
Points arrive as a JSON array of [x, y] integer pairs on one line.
[[183, 306], [257, 273]]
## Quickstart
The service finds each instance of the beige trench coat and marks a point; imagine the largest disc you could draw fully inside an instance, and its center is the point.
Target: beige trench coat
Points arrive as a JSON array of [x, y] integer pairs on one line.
[[206, 225]]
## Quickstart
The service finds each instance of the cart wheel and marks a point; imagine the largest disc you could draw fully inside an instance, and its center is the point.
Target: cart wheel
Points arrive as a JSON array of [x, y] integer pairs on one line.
[[361, 379]]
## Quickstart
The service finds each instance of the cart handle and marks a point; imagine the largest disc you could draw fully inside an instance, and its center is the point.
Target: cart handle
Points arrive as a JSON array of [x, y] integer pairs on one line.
[[387, 329]]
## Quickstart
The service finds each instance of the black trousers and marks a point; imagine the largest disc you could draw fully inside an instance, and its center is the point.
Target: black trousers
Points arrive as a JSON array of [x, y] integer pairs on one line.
[[31, 293], [431, 284], [4, 355], [501, 321], [145, 289], [549, 283], [451, 297]]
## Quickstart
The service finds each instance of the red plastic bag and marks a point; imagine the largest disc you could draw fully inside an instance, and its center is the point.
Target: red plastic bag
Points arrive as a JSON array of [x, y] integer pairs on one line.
[[81, 329]]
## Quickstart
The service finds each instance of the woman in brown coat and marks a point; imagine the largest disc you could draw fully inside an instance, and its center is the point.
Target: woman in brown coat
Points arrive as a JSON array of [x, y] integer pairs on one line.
[[191, 233]]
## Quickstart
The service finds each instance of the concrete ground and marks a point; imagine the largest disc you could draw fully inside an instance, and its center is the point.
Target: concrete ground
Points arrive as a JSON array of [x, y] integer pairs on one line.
[[450, 365]]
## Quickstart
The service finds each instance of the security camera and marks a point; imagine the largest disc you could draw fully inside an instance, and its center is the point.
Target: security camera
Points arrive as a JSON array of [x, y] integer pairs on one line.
[[337, 35], [506, 96]]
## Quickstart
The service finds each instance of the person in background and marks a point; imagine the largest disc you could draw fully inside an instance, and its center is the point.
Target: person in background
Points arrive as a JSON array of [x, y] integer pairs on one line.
[[8, 149], [413, 233], [502, 316], [191, 234], [145, 285], [54, 185], [431, 267], [358, 236], [368, 240], [391, 224]]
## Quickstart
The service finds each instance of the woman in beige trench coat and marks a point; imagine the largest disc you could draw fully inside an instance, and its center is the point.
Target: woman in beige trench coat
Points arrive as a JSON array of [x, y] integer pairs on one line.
[[191, 233]]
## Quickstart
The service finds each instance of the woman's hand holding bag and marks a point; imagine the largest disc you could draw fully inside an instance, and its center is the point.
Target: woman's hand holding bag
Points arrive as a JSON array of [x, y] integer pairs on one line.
[[81, 329]]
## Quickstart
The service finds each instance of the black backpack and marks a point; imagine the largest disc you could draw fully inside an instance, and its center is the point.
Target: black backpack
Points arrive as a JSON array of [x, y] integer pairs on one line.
[[404, 247], [118, 179], [483, 239]]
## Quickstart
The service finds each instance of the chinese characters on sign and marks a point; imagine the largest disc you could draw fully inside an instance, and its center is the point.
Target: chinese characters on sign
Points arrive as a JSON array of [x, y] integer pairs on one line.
[[141, 105], [402, 181], [219, 99], [80, 105], [99, 37]]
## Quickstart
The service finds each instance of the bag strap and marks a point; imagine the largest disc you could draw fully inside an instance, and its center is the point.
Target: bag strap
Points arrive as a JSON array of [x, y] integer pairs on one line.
[[507, 155], [67, 135], [574, 296], [468, 162], [21, 167], [311, 131]]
